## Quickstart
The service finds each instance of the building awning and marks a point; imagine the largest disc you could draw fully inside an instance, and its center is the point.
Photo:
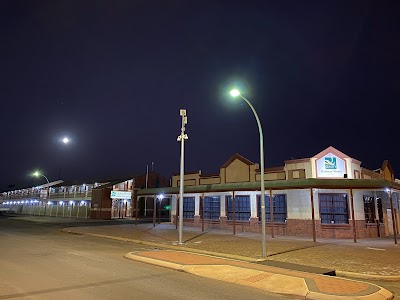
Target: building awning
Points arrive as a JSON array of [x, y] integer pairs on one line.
[[373, 184]]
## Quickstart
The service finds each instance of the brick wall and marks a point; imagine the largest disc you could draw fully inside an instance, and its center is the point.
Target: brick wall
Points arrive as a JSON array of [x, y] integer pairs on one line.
[[294, 227], [101, 204]]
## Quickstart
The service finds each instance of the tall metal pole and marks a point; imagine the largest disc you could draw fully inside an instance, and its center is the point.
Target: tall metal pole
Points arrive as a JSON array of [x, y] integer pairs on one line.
[[159, 212], [181, 139], [154, 210], [393, 217], [263, 237], [353, 216]]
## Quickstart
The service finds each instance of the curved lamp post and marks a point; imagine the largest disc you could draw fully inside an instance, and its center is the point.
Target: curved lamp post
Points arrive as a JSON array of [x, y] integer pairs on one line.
[[236, 93], [37, 174]]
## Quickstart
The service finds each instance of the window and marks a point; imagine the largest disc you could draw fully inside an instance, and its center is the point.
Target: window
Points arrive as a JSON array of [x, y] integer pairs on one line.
[[242, 208], [333, 208], [279, 208], [212, 208], [188, 207], [380, 209], [369, 209]]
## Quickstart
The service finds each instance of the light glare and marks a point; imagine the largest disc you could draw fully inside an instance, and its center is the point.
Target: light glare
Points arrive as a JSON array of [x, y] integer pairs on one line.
[[235, 93]]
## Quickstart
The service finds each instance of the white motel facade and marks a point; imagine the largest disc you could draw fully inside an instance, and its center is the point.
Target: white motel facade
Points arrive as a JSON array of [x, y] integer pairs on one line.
[[328, 195]]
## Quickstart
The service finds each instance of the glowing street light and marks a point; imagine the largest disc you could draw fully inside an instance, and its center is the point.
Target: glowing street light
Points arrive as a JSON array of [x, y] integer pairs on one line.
[[160, 197], [236, 93], [37, 174], [65, 140]]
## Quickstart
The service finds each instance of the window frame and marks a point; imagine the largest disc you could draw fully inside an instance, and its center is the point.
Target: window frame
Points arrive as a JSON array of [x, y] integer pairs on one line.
[[240, 215], [267, 209], [370, 215], [186, 212], [210, 214], [334, 209]]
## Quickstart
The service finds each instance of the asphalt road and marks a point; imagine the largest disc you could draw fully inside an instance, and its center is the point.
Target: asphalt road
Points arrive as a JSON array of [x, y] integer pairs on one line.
[[38, 261]]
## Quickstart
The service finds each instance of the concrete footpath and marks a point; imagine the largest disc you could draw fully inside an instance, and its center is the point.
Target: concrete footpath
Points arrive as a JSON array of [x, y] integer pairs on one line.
[[236, 258], [273, 280]]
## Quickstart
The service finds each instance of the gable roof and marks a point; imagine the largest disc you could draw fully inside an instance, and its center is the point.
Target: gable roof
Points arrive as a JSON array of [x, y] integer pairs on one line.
[[336, 152], [239, 157], [387, 166]]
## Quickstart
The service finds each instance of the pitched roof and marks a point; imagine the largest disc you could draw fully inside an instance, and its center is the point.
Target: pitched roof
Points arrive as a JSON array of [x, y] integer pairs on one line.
[[336, 152], [239, 157]]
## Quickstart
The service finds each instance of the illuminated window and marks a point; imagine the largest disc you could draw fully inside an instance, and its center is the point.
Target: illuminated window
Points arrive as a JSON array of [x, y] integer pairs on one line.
[[279, 208], [333, 208], [188, 207], [380, 209], [242, 208]]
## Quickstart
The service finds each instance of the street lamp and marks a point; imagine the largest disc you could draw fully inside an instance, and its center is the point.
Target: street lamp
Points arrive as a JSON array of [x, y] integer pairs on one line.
[[37, 174], [161, 197], [181, 138], [236, 93]]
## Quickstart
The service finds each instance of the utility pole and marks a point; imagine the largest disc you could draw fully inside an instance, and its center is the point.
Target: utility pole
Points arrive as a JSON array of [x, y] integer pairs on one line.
[[181, 138]]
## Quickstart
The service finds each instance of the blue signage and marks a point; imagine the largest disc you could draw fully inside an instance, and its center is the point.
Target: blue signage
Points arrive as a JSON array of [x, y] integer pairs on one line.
[[330, 163]]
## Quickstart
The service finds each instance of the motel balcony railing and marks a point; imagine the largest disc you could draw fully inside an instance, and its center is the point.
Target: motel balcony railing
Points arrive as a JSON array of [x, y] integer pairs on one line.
[[53, 195]]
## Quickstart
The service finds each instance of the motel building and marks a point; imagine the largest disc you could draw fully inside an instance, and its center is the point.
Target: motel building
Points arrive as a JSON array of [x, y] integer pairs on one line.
[[73, 199], [329, 195], [97, 199], [54, 199]]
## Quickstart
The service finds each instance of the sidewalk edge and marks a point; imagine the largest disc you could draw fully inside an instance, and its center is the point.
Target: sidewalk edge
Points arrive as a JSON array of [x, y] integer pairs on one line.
[[367, 276], [153, 261]]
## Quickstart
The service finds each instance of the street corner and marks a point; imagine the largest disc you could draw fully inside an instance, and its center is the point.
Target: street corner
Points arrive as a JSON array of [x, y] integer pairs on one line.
[[323, 287], [382, 294], [141, 256], [266, 281], [223, 269], [269, 279]]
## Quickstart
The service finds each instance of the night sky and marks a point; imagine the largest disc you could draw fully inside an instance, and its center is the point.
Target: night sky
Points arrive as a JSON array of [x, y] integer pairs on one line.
[[112, 76]]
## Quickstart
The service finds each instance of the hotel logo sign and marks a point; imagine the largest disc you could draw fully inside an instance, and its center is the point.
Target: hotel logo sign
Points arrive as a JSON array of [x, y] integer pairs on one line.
[[330, 166], [120, 195], [330, 163]]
